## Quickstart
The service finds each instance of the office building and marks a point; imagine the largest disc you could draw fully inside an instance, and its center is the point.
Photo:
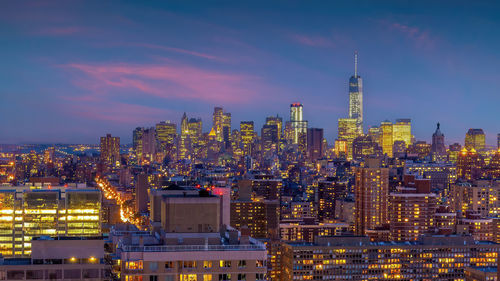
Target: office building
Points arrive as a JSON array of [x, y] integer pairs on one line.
[[476, 139], [270, 139], [28, 212], [247, 136], [278, 122], [401, 131], [166, 132], [387, 139], [218, 120], [347, 132], [298, 124]]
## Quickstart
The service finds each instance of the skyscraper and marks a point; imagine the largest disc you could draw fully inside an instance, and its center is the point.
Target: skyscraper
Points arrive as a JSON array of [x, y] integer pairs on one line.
[[165, 132], [298, 124], [226, 129], [347, 132], [498, 141], [401, 131], [356, 97], [218, 119], [314, 143], [269, 135], [110, 149], [247, 134], [386, 139], [475, 138], [438, 150], [278, 121], [184, 125]]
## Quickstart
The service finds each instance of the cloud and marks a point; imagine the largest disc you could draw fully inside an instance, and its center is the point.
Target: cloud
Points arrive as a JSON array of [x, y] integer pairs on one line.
[[166, 80], [178, 50], [421, 38], [313, 41]]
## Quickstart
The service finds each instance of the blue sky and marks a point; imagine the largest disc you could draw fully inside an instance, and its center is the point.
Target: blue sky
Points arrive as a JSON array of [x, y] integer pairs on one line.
[[72, 71]]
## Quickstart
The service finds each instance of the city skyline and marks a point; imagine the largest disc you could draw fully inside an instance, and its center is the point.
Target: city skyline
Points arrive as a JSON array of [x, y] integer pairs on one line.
[[87, 78]]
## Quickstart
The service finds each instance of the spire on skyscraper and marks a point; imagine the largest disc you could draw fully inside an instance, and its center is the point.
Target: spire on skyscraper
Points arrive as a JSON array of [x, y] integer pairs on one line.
[[355, 64]]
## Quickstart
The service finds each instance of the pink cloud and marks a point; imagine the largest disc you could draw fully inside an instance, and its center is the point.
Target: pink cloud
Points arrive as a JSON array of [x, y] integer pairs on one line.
[[178, 50], [421, 38], [167, 80], [313, 41]]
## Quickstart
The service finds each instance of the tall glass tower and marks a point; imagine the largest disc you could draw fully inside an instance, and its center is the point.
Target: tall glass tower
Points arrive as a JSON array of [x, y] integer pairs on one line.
[[356, 97]]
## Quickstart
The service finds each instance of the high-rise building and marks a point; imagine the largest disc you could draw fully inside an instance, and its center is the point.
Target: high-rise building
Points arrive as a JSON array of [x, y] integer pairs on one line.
[[438, 150], [149, 143], [401, 131], [390, 133], [387, 137], [137, 141], [226, 129], [314, 143], [278, 121], [195, 129], [184, 125], [270, 140], [475, 138], [375, 133], [298, 124], [412, 210], [356, 97], [110, 150], [26, 213], [498, 141], [347, 132], [218, 120], [165, 133], [247, 135], [372, 192], [141, 193]]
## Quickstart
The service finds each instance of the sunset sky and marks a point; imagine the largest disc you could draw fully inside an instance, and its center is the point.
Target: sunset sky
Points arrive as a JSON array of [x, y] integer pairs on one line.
[[71, 71]]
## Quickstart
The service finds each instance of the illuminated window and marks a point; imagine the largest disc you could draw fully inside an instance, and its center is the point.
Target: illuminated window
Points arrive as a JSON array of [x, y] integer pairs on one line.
[[207, 264], [224, 263]]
